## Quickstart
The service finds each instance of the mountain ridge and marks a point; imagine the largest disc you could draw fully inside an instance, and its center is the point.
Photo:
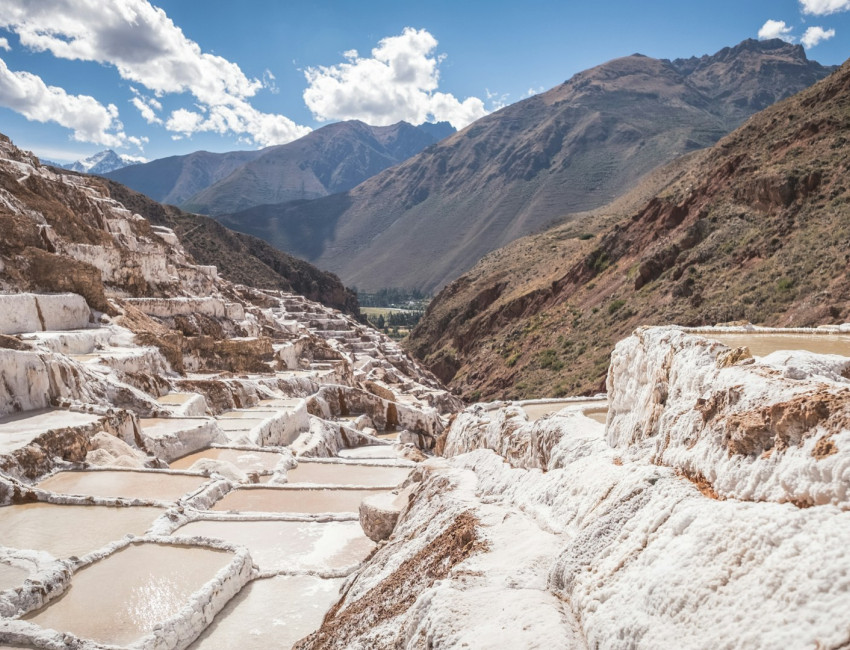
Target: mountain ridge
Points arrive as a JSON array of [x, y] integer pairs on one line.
[[753, 229], [101, 162], [573, 148], [331, 159]]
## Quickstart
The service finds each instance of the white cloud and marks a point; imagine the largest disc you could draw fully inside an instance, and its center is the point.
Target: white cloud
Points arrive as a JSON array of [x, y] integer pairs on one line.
[[398, 82], [147, 106], [495, 100], [139, 142], [4, 44], [824, 7], [270, 83], [815, 35], [265, 128], [776, 29], [90, 120], [148, 49], [135, 159]]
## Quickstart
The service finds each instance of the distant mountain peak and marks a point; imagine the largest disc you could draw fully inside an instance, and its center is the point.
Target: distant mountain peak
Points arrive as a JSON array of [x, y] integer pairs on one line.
[[103, 162]]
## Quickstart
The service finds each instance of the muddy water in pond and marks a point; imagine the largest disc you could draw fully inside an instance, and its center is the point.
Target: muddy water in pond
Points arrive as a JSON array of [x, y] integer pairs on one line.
[[600, 415], [249, 461], [346, 474], [175, 398], [369, 451], [252, 414], [763, 344], [124, 596], [271, 613], [64, 531], [279, 545], [292, 500], [140, 485], [11, 576], [537, 411]]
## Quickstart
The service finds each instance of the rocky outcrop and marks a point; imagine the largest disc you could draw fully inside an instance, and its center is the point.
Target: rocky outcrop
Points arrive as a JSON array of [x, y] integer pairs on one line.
[[771, 429], [656, 530], [379, 513]]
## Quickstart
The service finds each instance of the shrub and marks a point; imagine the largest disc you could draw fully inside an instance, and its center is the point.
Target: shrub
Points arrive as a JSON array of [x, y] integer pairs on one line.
[[784, 284], [549, 360], [614, 305]]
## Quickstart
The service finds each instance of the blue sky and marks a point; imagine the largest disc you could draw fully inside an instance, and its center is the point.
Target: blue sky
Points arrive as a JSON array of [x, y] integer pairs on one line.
[[175, 76]]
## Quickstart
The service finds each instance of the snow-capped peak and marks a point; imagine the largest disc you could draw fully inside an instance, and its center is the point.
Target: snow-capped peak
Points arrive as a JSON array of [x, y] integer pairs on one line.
[[104, 161]]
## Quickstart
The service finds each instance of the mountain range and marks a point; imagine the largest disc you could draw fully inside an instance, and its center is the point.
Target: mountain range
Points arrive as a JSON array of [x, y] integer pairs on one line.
[[331, 159], [754, 229], [423, 222], [99, 163]]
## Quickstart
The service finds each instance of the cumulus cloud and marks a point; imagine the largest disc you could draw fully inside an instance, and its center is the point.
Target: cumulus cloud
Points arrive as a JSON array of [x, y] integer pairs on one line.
[[4, 44], [147, 106], [824, 7], [90, 120], [814, 35], [148, 49], [776, 29], [398, 81]]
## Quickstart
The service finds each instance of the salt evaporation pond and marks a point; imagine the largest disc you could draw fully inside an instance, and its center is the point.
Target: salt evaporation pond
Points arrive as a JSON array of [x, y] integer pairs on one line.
[[271, 613], [369, 451], [537, 411], [346, 474], [11, 576], [161, 486], [290, 545], [248, 461], [304, 501], [600, 415], [176, 399], [68, 530], [250, 414], [229, 425], [762, 344], [123, 597]]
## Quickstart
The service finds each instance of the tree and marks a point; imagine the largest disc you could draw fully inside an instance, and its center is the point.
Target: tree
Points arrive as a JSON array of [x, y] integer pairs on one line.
[[380, 322]]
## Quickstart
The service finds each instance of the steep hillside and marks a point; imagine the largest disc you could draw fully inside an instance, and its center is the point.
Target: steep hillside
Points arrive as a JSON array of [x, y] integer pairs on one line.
[[176, 178], [240, 258], [332, 159], [576, 147], [756, 229]]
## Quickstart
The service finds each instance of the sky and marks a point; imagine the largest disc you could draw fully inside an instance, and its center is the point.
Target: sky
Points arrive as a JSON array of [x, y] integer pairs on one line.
[[162, 78]]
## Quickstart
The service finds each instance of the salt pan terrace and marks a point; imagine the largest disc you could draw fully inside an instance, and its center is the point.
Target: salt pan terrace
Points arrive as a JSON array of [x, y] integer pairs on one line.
[[203, 509], [144, 566]]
